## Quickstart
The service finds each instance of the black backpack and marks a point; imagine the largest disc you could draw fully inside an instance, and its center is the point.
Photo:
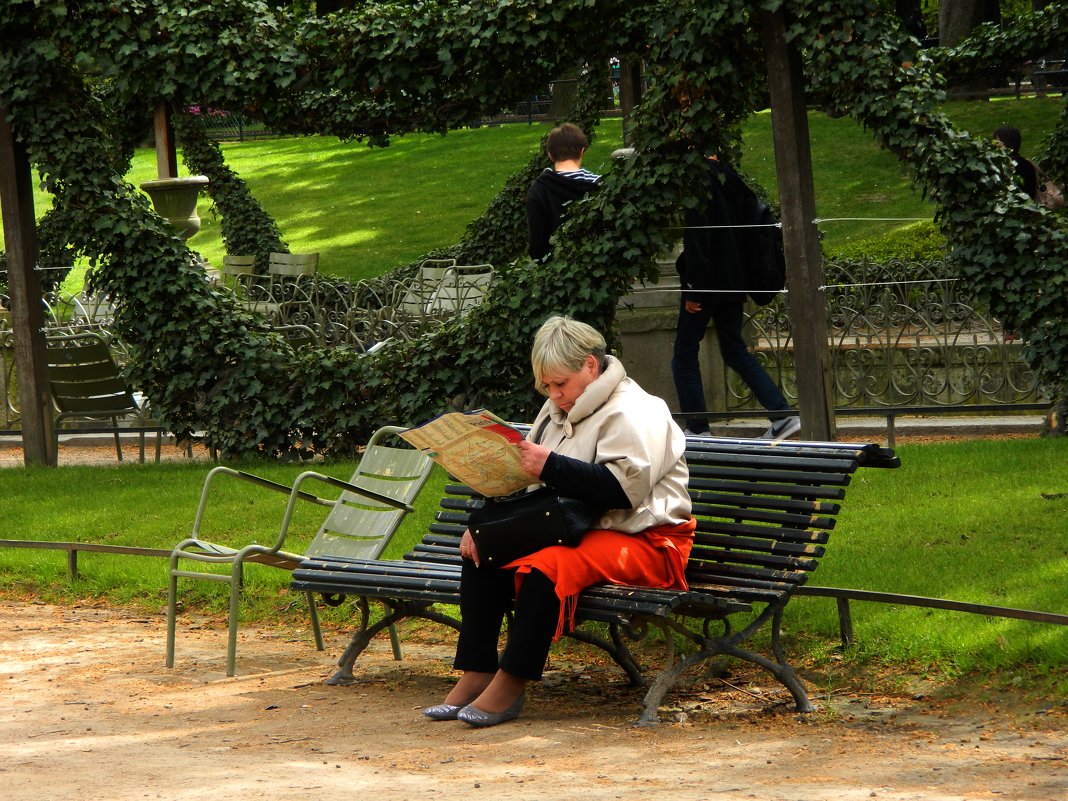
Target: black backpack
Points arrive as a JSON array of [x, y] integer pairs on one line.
[[764, 252]]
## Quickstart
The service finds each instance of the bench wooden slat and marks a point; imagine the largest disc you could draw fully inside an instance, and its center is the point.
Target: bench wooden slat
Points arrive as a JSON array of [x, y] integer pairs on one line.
[[723, 529], [705, 543], [748, 578], [779, 519], [708, 560], [762, 499], [757, 489], [795, 483], [595, 597], [771, 460]]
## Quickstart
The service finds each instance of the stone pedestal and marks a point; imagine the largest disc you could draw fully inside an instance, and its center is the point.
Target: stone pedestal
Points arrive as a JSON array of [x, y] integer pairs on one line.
[[175, 200], [646, 320], [648, 336]]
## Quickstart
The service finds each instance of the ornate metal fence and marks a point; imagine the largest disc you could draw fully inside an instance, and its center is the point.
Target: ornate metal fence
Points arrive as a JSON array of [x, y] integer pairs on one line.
[[901, 335]]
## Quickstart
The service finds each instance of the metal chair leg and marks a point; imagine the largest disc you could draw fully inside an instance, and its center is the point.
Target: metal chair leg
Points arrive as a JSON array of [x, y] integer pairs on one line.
[[316, 629]]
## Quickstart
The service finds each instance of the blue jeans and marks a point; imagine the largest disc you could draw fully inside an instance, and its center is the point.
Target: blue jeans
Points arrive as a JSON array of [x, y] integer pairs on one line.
[[728, 317]]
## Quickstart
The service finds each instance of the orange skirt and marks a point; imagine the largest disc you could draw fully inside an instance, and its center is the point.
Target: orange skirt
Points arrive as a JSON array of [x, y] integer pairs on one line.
[[653, 558]]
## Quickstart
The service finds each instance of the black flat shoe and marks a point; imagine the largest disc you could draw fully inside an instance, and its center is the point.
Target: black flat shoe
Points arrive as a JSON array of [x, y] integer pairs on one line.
[[474, 716]]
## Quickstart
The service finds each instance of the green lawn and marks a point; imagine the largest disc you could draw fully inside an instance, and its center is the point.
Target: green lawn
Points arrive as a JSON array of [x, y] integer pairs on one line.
[[983, 521], [367, 210]]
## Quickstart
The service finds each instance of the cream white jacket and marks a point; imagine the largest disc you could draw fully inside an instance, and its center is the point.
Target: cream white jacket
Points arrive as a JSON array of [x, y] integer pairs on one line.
[[616, 423]]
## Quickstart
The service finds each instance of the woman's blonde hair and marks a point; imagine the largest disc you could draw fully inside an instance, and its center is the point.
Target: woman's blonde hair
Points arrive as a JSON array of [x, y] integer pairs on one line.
[[562, 345]]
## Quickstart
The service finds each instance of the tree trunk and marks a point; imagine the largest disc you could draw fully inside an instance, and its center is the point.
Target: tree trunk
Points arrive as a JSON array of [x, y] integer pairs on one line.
[[956, 20]]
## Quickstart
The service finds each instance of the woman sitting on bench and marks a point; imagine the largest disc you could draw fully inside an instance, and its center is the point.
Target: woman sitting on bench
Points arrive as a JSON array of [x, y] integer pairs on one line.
[[600, 438]]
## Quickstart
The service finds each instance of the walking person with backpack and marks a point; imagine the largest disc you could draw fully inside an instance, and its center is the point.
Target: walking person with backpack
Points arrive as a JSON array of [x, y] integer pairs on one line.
[[719, 265]]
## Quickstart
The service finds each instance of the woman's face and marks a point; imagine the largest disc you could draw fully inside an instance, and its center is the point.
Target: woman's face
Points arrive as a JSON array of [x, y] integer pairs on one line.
[[564, 388]]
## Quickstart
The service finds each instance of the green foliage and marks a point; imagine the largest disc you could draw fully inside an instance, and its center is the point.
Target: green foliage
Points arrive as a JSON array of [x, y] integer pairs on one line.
[[389, 68], [1054, 157], [918, 242], [498, 236], [1011, 250], [246, 229], [366, 210]]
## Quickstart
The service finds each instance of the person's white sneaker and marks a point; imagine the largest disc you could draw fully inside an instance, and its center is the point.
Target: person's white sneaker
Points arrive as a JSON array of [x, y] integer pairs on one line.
[[783, 428]]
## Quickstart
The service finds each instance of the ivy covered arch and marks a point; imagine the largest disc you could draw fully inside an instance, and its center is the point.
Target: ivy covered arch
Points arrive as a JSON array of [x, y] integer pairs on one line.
[[395, 67]]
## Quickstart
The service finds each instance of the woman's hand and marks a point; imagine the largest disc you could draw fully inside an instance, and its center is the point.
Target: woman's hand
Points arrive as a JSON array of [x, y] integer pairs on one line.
[[532, 457], [468, 549]]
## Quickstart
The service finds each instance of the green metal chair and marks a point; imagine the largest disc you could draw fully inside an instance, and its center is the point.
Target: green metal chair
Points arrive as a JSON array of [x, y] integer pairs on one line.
[[461, 288], [361, 522], [87, 384]]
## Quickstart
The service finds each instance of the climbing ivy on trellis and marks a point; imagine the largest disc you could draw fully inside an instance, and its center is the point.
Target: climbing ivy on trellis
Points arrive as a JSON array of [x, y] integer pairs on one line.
[[246, 228], [428, 66]]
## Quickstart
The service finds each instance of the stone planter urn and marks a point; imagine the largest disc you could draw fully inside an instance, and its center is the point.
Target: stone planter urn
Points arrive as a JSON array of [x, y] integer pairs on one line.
[[175, 200]]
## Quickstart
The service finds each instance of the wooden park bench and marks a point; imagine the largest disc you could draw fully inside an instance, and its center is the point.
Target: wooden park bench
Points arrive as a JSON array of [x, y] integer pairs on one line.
[[764, 515]]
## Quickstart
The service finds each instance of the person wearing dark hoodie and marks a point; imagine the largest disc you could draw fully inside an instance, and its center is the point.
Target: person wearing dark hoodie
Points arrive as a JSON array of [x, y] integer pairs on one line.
[[714, 274], [556, 187]]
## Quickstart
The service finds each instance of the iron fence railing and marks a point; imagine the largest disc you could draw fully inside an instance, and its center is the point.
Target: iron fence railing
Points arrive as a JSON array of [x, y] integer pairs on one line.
[[901, 336]]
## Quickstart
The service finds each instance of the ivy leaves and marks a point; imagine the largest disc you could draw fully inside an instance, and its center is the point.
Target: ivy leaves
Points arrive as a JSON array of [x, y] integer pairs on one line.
[[76, 74]]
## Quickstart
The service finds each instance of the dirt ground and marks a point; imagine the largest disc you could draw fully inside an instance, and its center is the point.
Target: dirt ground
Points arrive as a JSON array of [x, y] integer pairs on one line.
[[104, 455], [91, 712]]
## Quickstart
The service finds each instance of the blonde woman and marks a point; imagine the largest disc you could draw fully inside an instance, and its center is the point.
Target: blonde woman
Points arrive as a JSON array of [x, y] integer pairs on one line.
[[602, 439]]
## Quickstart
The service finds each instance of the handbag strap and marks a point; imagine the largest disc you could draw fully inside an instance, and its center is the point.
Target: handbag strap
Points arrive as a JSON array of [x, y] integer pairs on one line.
[[541, 430]]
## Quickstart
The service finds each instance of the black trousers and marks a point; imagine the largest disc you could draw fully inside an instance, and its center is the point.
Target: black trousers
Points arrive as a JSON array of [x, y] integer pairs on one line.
[[486, 594]]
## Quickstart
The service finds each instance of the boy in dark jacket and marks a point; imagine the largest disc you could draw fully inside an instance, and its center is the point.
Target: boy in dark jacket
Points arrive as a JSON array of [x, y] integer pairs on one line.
[[714, 270], [1011, 139], [559, 185]]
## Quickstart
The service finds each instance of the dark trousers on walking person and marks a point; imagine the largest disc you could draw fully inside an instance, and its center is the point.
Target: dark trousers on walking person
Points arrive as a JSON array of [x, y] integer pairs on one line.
[[486, 594], [728, 318]]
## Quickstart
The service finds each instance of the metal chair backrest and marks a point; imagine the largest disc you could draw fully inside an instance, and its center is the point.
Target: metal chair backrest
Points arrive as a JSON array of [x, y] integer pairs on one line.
[[360, 527], [462, 288], [238, 273], [85, 379], [297, 336], [419, 292], [86, 383], [293, 264]]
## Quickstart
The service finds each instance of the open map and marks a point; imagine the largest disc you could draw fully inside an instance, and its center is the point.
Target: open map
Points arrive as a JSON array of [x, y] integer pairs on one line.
[[476, 447]]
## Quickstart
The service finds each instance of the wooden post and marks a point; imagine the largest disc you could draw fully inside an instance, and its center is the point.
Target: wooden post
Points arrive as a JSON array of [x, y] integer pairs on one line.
[[27, 319], [797, 198], [630, 94], [166, 152]]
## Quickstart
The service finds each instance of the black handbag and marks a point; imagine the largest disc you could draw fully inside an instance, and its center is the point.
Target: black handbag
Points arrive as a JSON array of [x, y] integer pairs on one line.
[[517, 525]]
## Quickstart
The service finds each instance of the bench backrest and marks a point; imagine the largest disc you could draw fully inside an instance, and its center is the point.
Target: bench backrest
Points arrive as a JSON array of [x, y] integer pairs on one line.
[[764, 512]]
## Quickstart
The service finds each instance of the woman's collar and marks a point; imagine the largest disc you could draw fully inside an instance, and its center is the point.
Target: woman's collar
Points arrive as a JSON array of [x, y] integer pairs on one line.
[[592, 398]]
